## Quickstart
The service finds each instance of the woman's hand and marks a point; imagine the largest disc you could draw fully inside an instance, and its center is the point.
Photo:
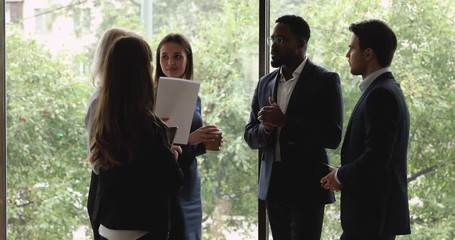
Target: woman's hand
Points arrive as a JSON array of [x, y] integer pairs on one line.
[[176, 150], [203, 134]]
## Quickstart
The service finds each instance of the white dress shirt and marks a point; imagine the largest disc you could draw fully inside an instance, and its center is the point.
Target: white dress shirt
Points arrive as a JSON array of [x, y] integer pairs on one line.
[[284, 92], [120, 234]]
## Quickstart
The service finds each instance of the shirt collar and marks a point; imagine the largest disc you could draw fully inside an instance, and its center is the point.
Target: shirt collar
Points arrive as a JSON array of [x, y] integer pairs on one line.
[[370, 78], [297, 71]]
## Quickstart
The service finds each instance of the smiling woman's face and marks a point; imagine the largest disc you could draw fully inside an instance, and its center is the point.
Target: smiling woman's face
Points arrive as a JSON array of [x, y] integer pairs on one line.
[[173, 60]]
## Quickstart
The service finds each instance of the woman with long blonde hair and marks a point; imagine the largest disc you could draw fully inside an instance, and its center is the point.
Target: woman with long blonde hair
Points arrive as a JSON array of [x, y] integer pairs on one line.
[[104, 44]]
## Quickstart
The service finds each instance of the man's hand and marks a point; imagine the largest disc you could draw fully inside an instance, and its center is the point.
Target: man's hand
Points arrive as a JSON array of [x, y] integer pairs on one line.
[[271, 116], [329, 182]]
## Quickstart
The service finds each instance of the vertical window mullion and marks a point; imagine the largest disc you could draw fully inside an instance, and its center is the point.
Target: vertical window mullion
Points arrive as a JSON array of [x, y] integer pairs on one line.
[[264, 26], [2, 124]]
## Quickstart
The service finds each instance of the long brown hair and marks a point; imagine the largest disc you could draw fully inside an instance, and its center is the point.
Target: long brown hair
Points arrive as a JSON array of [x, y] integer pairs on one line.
[[181, 40], [125, 112]]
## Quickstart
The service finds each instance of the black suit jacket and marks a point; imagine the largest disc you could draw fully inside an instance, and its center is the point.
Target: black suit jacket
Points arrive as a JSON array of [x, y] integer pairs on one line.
[[136, 195], [313, 123], [374, 198]]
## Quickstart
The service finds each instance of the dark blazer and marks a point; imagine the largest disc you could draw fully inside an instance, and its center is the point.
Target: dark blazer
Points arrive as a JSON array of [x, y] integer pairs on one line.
[[374, 198], [136, 196], [313, 123]]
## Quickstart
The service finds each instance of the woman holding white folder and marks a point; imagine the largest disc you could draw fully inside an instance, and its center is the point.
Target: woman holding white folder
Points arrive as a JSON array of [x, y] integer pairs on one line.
[[174, 58]]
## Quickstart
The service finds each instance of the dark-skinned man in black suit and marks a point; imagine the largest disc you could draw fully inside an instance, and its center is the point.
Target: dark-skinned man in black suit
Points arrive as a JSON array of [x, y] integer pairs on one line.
[[296, 114]]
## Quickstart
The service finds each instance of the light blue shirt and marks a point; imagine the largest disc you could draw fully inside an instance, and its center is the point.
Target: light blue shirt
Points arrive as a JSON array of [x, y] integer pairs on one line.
[[370, 78]]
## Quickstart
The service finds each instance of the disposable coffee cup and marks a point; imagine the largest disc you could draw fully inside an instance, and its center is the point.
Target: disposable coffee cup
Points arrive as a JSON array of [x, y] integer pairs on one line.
[[214, 147]]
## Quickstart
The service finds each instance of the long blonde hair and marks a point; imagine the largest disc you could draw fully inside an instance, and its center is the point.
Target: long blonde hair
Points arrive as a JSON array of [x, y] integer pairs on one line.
[[125, 113], [105, 43]]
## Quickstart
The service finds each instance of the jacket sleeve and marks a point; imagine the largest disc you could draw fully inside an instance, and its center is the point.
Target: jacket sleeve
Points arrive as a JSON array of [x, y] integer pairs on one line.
[[255, 134], [173, 173]]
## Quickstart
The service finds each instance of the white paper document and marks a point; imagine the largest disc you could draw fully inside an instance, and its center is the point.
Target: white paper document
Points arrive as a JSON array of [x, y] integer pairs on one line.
[[176, 100]]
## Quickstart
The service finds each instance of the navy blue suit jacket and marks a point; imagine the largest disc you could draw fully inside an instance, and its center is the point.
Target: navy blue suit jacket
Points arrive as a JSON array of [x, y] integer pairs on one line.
[[374, 198], [313, 123]]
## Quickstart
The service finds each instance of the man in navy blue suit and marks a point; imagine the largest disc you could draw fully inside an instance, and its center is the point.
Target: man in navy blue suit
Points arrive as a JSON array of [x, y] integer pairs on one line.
[[296, 113], [372, 176]]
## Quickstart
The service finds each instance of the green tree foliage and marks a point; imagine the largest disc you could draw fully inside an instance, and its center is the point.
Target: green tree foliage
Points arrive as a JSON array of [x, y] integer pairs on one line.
[[426, 65], [227, 84], [46, 143]]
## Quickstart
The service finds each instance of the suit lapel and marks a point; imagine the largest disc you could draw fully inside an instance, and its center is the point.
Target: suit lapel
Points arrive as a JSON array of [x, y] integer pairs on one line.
[[301, 82], [378, 80], [274, 92]]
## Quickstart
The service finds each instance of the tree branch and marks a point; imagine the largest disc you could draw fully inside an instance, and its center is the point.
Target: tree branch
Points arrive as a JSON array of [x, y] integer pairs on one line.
[[420, 173]]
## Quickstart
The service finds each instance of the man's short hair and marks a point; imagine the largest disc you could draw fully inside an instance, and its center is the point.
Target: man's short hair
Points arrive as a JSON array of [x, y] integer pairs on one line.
[[299, 27], [375, 34]]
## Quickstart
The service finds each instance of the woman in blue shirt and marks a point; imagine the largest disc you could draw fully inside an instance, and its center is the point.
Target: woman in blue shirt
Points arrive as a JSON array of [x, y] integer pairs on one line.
[[174, 58]]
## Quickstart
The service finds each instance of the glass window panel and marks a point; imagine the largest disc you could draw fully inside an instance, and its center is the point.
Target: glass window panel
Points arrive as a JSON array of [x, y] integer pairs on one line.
[[49, 53], [424, 67], [41, 21], [7, 13]]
